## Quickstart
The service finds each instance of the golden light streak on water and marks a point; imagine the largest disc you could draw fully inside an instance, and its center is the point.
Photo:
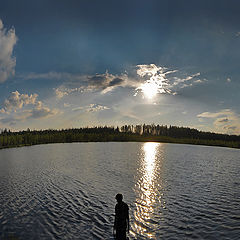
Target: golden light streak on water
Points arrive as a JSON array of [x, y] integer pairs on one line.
[[146, 189]]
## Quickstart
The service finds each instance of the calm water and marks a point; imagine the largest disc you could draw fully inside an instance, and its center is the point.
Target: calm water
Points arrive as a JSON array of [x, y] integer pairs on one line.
[[66, 191]]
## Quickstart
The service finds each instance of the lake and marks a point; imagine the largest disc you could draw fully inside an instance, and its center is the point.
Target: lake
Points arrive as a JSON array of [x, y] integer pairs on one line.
[[67, 191]]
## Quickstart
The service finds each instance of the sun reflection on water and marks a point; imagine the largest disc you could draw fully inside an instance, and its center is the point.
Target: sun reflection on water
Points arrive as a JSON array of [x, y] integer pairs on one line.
[[146, 190], [150, 150]]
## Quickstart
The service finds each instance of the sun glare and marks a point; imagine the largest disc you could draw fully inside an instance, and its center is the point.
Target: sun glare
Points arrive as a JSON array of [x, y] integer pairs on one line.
[[155, 81], [149, 89]]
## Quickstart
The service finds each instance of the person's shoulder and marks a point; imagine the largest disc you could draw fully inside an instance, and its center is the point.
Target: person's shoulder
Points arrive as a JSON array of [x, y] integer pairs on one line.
[[125, 205]]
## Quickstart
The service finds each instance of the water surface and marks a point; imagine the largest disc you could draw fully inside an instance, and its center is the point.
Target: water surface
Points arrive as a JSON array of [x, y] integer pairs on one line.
[[66, 191]]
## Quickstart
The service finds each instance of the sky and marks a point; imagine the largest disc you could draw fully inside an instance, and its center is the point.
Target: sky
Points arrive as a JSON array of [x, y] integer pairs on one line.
[[78, 63]]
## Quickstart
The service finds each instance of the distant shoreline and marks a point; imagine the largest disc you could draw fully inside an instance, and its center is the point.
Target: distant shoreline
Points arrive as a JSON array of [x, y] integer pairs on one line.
[[135, 138], [127, 133]]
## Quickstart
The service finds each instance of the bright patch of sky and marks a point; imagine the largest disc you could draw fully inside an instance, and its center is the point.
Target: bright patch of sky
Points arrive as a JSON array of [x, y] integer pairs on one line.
[[79, 63]]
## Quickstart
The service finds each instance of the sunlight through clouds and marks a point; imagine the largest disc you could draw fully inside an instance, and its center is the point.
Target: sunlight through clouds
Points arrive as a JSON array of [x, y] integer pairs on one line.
[[159, 79], [157, 83]]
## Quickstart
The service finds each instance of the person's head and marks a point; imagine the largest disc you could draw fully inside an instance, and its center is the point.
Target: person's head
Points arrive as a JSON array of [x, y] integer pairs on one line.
[[119, 197]]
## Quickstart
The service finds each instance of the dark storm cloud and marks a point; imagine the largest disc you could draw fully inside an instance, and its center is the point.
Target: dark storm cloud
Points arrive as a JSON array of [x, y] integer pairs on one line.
[[232, 128], [116, 81], [99, 82], [103, 81], [223, 120]]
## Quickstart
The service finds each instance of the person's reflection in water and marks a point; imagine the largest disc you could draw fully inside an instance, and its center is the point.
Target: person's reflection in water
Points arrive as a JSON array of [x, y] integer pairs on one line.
[[121, 223]]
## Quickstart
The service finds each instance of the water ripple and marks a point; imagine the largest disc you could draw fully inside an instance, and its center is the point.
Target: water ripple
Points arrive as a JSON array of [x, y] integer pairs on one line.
[[66, 191]]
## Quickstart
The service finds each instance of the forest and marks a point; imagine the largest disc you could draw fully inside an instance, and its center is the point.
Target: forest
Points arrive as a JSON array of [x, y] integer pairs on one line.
[[137, 133]]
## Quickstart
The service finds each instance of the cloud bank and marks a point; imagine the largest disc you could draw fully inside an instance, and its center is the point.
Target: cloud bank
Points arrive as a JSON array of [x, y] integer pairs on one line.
[[160, 79], [225, 121], [103, 83], [16, 101], [8, 40], [20, 107]]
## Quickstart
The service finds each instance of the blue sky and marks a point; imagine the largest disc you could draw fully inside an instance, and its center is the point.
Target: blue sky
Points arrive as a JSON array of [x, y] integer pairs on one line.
[[86, 63]]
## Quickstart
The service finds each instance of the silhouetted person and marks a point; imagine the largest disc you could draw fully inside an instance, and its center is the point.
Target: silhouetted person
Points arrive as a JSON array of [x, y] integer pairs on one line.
[[121, 223]]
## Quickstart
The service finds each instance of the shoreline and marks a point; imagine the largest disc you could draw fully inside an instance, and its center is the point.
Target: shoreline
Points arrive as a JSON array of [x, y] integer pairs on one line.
[[131, 138]]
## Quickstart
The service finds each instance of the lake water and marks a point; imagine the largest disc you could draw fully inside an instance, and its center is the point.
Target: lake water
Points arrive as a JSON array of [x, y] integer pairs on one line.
[[67, 191]]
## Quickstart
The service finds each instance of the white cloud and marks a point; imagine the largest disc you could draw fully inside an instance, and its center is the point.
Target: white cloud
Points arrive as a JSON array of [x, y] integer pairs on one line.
[[224, 121], [150, 70], [60, 93], [17, 101], [222, 113], [229, 80], [200, 81], [40, 111], [96, 108], [64, 91], [187, 81], [8, 40], [20, 107], [66, 105], [92, 108], [78, 108]]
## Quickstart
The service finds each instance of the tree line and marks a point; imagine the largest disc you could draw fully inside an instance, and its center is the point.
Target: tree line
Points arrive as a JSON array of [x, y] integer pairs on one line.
[[138, 133]]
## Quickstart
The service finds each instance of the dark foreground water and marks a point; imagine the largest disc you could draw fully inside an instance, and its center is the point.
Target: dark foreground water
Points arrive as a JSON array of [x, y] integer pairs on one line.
[[66, 191]]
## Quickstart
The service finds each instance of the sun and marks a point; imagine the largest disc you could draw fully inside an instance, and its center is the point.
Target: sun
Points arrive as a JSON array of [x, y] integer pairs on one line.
[[149, 89]]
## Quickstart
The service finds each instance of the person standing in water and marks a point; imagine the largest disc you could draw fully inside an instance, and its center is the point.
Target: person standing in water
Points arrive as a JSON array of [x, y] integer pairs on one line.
[[121, 223]]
